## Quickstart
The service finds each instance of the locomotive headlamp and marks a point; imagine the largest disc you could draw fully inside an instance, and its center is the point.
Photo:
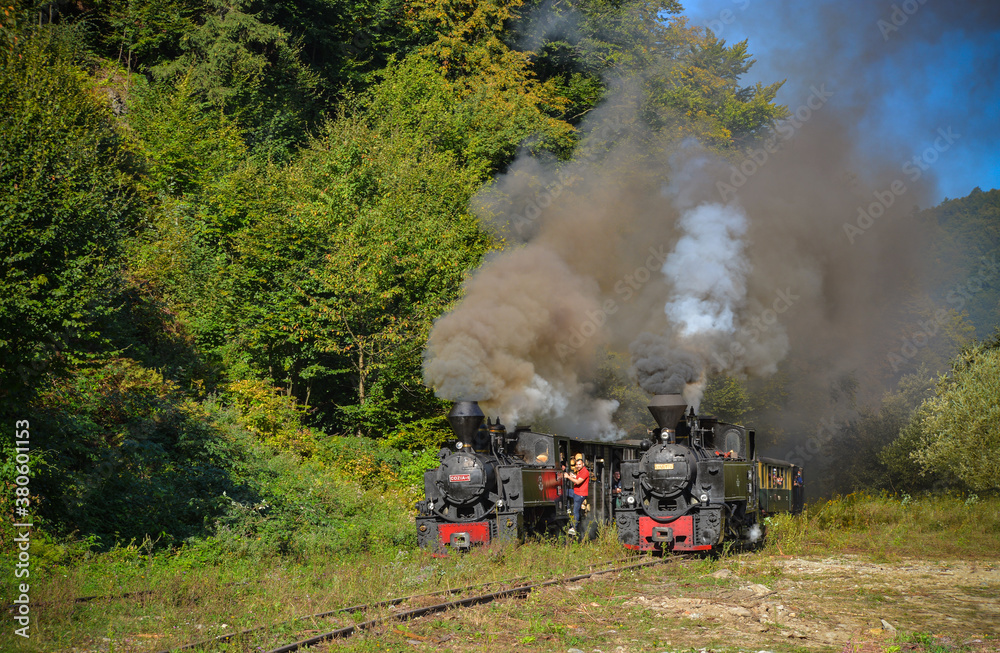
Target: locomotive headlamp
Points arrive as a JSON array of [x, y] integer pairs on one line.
[[630, 501], [458, 445], [703, 498], [500, 504]]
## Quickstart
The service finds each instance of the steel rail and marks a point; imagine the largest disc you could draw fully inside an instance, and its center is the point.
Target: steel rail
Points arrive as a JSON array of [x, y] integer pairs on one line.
[[221, 639], [467, 602]]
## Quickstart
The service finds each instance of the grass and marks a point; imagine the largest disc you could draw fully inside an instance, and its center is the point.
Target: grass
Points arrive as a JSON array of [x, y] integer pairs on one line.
[[888, 528], [221, 584], [920, 642], [194, 598]]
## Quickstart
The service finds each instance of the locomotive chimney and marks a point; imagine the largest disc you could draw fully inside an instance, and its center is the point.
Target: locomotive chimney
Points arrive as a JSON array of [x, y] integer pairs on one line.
[[465, 418], [667, 410]]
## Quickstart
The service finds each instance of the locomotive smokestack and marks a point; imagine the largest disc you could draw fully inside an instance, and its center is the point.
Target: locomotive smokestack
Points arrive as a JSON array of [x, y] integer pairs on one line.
[[465, 418], [667, 410]]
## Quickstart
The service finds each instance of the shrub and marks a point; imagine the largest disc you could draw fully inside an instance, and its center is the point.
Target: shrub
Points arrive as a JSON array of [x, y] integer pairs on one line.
[[275, 418], [123, 454]]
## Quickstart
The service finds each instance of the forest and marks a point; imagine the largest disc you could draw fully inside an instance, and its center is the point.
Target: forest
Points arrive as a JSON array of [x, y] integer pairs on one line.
[[227, 228]]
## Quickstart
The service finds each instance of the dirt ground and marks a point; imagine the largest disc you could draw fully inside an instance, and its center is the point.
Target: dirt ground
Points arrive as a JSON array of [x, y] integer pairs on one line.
[[751, 604], [839, 604]]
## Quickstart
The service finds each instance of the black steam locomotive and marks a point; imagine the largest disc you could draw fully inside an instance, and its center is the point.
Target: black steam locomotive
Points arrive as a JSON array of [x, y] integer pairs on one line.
[[693, 485], [494, 484]]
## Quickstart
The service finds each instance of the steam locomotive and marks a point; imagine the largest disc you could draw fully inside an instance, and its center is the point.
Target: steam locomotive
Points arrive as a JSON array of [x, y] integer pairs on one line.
[[693, 484]]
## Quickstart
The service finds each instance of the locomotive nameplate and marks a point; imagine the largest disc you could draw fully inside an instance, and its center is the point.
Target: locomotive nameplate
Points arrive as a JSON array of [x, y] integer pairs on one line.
[[663, 466], [459, 478]]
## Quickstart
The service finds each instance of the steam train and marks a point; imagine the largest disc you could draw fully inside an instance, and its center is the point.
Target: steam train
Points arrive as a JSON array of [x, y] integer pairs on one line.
[[694, 484]]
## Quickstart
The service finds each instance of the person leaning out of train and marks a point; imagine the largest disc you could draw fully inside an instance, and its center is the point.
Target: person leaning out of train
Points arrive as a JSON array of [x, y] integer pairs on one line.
[[580, 480]]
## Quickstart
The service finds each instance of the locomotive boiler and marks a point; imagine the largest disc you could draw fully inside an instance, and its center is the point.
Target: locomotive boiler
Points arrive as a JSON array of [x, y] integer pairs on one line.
[[492, 485]]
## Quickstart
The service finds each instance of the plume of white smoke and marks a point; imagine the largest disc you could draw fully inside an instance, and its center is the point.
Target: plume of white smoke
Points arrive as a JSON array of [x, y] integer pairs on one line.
[[567, 408], [707, 275], [707, 270]]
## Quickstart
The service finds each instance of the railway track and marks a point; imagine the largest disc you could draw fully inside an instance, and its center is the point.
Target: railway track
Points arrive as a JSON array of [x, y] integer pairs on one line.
[[222, 639], [517, 589]]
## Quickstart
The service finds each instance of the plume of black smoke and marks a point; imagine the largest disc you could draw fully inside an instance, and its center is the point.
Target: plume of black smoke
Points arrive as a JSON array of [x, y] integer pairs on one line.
[[500, 347], [695, 264], [663, 367]]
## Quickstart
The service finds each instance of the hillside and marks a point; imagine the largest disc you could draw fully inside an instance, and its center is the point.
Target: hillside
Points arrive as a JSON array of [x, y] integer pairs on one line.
[[251, 251], [228, 224], [229, 228]]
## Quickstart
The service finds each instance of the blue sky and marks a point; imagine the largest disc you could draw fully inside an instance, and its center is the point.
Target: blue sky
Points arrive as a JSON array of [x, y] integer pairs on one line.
[[909, 68]]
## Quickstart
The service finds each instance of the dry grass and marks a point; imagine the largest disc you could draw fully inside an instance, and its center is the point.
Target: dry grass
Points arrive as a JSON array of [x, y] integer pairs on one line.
[[890, 527], [200, 592], [194, 599]]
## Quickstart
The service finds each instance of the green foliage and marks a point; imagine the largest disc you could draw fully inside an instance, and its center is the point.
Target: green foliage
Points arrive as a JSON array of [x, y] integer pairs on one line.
[[67, 204], [127, 455], [119, 455], [684, 80], [142, 33], [376, 464], [273, 417], [957, 427], [726, 398], [611, 39], [480, 113], [703, 93], [334, 298], [184, 147], [253, 71], [306, 509]]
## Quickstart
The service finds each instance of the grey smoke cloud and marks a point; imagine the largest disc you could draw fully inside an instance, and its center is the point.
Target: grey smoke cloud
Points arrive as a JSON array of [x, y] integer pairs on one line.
[[579, 228]]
